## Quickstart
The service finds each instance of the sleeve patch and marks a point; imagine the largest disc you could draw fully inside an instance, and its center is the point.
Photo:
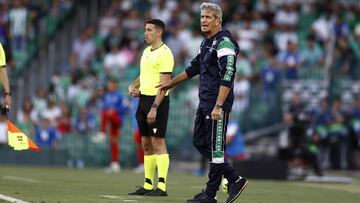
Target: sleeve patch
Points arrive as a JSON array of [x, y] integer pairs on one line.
[[225, 47]]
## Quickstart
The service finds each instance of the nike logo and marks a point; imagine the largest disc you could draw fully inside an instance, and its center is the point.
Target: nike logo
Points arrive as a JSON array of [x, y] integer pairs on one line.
[[154, 130]]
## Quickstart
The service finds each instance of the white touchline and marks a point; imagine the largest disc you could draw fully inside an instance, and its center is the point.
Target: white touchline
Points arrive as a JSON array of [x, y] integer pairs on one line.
[[10, 199], [29, 180], [111, 196], [121, 197]]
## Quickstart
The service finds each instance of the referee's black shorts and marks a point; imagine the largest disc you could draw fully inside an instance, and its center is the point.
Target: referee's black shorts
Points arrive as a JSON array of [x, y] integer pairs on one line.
[[158, 129]]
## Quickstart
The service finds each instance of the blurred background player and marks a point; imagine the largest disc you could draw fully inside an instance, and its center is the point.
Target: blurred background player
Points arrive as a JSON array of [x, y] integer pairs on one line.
[[114, 108], [302, 145], [235, 147]]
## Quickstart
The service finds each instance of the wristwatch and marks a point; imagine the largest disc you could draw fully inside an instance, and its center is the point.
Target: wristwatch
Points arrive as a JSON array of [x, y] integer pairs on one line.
[[154, 105], [7, 93], [218, 106]]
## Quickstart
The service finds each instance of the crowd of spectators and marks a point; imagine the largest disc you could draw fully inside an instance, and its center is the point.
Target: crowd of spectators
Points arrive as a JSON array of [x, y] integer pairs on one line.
[[24, 25]]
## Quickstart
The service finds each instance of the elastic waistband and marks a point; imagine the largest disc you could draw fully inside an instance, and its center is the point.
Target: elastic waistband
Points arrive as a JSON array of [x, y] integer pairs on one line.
[[149, 96]]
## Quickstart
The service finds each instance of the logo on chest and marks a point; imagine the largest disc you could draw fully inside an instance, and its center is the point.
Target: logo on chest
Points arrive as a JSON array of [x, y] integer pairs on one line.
[[209, 50], [212, 47]]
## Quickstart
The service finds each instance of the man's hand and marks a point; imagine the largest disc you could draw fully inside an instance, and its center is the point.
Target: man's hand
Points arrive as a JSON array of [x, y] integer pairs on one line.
[[151, 117], [165, 86], [134, 91], [7, 101], [216, 113], [4, 110]]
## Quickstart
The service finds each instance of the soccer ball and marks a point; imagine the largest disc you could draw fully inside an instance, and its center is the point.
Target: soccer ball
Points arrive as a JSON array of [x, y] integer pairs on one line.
[[224, 186]]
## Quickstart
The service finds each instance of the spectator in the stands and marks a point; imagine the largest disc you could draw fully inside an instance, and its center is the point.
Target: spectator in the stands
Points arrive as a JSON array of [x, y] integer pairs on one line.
[[242, 84], [270, 75], [52, 112], [290, 61], [64, 120], [107, 23], [115, 61], [282, 38], [85, 122], [39, 100], [343, 60], [18, 17], [259, 24], [84, 46], [312, 53], [46, 135], [162, 10], [341, 28], [133, 22], [287, 16], [247, 36], [26, 117], [266, 9], [83, 95], [322, 27]]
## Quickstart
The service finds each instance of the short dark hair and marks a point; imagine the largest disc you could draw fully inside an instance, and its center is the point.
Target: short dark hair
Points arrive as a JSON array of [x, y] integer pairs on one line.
[[158, 23]]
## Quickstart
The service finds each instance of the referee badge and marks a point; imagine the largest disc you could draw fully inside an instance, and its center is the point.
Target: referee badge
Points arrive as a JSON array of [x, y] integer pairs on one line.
[[154, 130]]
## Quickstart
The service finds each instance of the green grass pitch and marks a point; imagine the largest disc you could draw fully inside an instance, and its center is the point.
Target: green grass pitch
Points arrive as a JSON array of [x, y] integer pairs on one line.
[[43, 185]]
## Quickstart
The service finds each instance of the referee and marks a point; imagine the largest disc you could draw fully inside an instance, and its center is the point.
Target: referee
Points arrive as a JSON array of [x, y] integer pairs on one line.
[[4, 79], [156, 66]]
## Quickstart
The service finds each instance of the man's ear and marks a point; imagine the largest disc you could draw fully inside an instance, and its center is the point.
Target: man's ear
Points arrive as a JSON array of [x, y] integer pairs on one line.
[[218, 21], [159, 32]]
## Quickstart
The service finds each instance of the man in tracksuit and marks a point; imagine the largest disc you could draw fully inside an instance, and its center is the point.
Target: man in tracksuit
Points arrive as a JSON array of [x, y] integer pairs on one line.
[[216, 65]]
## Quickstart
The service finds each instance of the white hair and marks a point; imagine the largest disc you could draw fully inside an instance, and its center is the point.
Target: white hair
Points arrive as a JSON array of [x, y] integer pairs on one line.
[[214, 8]]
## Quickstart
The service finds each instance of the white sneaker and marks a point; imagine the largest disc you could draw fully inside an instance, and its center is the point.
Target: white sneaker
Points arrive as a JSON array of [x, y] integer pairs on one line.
[[113, 168], [139, 169]]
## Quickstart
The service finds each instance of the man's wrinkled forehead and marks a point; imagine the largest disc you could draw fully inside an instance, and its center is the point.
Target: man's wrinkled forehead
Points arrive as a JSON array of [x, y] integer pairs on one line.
[[208, 12]]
